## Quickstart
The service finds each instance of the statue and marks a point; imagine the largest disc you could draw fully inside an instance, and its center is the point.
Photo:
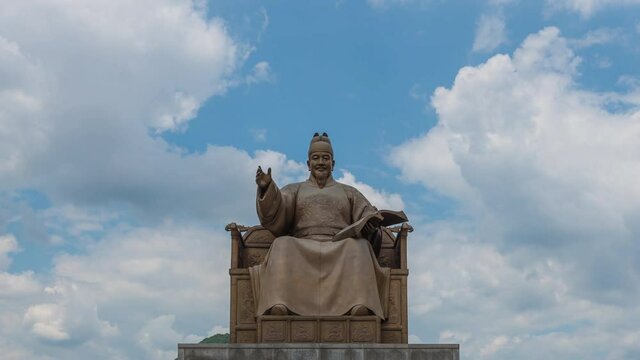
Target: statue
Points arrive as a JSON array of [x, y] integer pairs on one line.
[[305, 271]]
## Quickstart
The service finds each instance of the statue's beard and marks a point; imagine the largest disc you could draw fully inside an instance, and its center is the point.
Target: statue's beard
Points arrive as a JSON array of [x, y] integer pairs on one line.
[[322, 177]]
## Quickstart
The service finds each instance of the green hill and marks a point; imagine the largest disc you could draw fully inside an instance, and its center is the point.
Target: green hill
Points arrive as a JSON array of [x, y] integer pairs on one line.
[[216, 339]]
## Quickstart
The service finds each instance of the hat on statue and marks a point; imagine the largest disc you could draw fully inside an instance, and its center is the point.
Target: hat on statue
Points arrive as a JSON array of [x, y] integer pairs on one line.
[[320, 143]]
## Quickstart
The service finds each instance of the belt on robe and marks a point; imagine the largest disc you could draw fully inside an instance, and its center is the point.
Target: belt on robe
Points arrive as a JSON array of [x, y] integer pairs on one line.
[[307, 232]]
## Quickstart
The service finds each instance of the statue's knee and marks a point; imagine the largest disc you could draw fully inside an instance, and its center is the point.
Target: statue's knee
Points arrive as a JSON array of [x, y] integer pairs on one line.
[[281, 244]]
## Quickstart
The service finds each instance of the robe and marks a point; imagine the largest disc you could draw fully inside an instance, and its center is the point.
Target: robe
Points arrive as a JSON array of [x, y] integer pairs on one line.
[[304, 269]]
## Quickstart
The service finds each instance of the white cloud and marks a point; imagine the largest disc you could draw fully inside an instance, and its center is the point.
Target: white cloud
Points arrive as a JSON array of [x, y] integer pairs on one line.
[[134, 294], [542, 253], [379, 199], [46, 321], [76, 118], [496, 344], [490, 32], [13, 285], [463, 290], [159, 339], [182, 109], [587, 7]]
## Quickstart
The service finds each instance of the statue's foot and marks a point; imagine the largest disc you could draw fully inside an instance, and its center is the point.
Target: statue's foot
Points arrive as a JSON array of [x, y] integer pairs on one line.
[[359, 310], [279, 309]]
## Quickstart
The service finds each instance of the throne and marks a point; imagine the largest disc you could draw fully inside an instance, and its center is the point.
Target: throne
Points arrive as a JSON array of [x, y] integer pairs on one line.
[[249, 246]]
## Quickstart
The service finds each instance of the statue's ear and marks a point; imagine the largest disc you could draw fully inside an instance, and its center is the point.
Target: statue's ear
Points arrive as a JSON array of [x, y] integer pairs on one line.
[[333, 164], [308, 165]]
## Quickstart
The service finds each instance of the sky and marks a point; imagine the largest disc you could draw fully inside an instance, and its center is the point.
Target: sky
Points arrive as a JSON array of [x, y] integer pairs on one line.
[[508, 131]]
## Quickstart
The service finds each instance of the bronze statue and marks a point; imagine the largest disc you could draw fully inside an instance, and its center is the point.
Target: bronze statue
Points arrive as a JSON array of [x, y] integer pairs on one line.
[[305, 271]]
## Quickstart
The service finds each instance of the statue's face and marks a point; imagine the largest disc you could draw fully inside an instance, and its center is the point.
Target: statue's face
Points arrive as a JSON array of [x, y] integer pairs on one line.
[[320, 164]]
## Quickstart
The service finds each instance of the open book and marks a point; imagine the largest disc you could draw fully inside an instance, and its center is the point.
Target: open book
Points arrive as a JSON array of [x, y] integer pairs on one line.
[[385, 218]]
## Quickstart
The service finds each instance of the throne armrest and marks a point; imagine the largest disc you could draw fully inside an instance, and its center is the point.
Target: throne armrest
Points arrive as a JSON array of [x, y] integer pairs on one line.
[[248, 244], [400, 244], [237, 243]]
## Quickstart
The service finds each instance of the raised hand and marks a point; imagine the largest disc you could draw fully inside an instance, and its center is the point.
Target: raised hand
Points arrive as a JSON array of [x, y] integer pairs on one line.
[[263, 179]]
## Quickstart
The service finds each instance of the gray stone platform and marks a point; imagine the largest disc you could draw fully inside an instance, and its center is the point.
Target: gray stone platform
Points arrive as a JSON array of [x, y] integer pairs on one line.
[[321, 351]]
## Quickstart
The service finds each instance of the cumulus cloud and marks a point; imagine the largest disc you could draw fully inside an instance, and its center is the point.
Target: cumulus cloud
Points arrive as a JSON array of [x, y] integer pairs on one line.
[[545, 179], [378, 198], [464, 290], [134, 294], [158, 338], [14, 285], [81, 122]]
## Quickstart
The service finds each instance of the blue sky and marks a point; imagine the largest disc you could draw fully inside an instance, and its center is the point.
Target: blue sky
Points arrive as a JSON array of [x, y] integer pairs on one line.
[[507, 130]]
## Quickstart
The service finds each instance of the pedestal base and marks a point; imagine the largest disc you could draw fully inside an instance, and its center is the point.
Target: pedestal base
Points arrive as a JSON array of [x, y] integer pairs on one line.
[[319, 351], [323, 329]]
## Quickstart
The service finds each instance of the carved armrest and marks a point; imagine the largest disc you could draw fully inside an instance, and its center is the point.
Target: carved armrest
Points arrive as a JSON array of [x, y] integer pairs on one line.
[[400, 243], [236, 231], [244, 241], [237, 242]]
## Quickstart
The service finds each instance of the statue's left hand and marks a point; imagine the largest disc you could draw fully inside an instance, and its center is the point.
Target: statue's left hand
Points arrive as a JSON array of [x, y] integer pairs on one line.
[[370, 228], [372, 232]]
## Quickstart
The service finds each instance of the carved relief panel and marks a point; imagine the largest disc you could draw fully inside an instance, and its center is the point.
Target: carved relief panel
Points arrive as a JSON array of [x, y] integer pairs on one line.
[[395, 311], [245, 303], [363, 331], [303, 331], [274, 331], [333, 331]]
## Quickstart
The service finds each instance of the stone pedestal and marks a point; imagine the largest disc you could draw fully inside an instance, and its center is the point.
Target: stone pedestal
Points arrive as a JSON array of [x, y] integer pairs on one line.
[[318, 351]]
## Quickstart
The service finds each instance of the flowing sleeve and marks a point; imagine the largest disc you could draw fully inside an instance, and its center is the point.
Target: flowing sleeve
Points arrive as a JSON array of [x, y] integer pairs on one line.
[[360, 206], [276, 208]]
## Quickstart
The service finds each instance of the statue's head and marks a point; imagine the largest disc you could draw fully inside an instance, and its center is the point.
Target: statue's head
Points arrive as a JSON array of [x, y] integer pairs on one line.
[[320, 161]]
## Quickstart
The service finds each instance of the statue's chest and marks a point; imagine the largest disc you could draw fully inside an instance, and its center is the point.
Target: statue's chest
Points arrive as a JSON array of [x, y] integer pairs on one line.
[[327, 205]]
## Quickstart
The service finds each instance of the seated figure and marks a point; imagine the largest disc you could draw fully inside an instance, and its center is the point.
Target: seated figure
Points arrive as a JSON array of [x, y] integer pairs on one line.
[[305, 272]]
